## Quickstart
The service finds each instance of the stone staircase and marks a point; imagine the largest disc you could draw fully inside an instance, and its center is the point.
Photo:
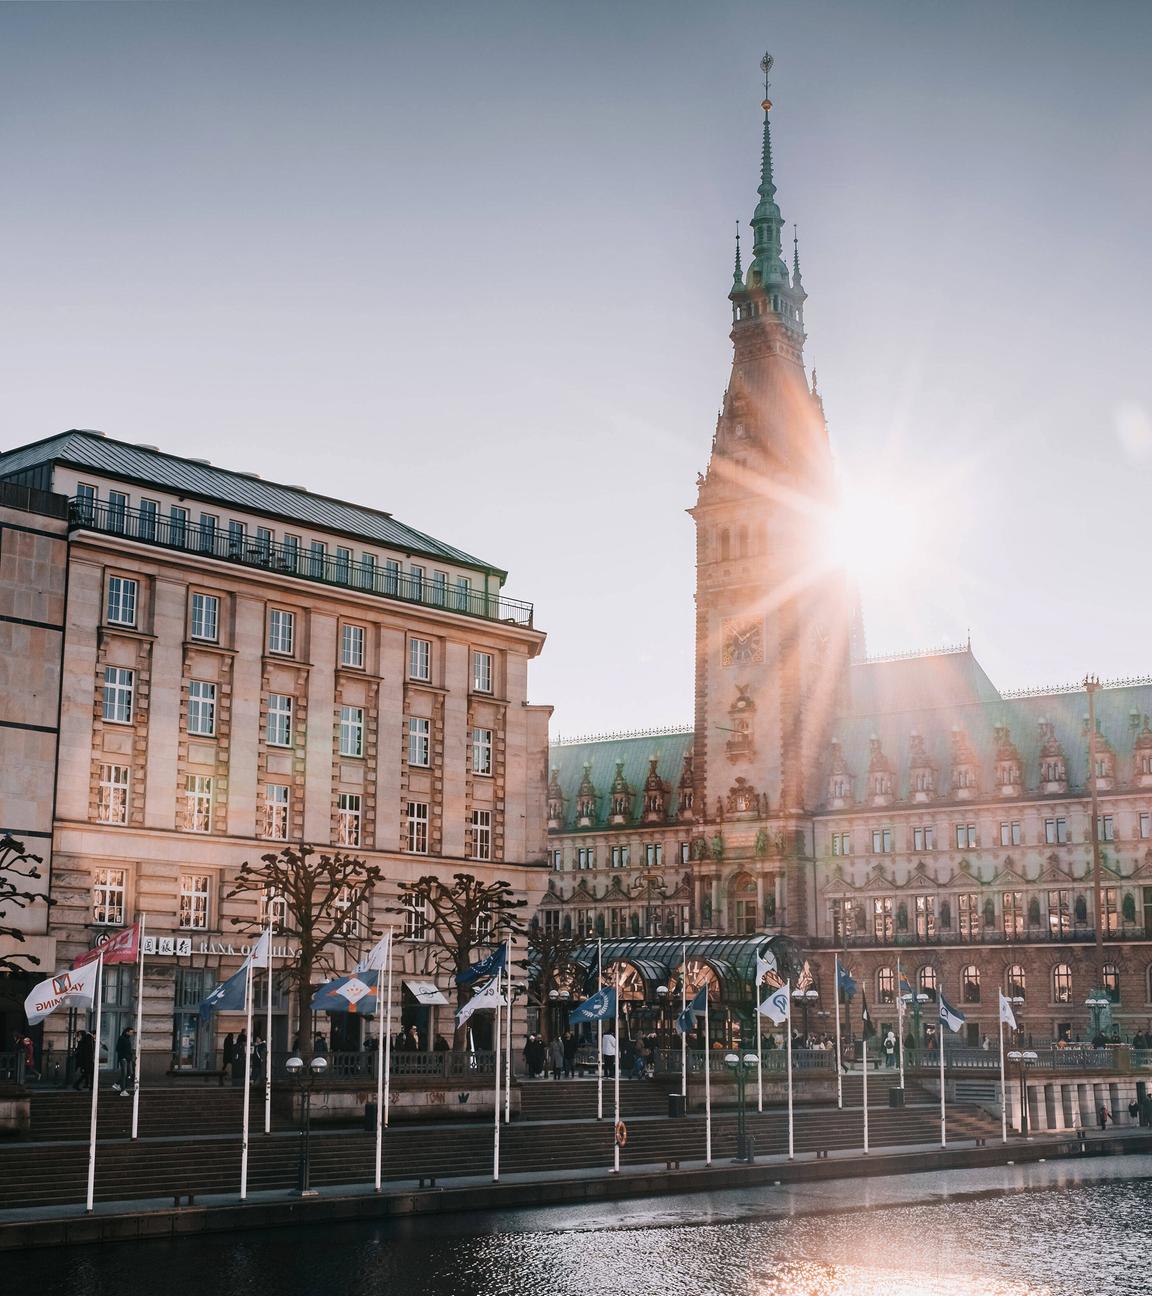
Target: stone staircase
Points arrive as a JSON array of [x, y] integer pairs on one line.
[[163, 1112]]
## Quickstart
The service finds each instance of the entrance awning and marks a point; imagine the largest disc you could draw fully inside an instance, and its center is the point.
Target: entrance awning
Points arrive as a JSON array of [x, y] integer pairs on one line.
[[426, 992]]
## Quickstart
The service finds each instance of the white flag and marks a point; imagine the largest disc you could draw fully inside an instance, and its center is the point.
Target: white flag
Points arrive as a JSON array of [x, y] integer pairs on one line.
[[1007, 1016], [259, 956], [353, 990], [765, 963], [489, 997], [378, 957], [77, 989], [776, 1005]]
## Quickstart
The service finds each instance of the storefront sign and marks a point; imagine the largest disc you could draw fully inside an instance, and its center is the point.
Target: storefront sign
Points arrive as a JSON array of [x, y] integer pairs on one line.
[[183, 947]]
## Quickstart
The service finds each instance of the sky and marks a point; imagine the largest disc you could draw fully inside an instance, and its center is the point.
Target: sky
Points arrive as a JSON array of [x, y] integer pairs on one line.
[[469, 263]]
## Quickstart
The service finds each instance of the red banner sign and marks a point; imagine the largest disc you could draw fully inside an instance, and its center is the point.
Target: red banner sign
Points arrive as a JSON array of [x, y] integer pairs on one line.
[[123, 947]]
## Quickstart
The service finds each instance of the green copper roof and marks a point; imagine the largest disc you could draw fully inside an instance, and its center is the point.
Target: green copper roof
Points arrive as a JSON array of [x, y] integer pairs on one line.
[[632, 754]]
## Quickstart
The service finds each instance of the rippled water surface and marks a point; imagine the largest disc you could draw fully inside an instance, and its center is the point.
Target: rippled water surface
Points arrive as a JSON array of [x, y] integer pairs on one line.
[[1064, 1238]]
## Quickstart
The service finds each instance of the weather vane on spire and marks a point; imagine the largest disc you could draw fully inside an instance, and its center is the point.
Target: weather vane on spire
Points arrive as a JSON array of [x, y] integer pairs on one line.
[[766, 67]]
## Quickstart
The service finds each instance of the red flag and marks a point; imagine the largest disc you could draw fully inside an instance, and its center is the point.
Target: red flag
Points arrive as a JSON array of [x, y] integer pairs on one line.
[[124, 947]]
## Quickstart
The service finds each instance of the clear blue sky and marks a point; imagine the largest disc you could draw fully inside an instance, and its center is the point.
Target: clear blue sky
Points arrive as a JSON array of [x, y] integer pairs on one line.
[[469, 263]]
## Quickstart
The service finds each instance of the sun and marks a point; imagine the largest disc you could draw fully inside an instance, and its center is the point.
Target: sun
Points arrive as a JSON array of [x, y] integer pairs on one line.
[[880, 533]]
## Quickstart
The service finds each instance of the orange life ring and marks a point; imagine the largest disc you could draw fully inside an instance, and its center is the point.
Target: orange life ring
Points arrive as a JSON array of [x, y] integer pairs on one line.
[[621, 1134]]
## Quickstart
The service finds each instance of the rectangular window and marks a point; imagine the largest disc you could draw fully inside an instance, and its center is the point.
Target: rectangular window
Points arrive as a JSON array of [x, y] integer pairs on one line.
[[108, 886], [417, 816], [281, 631], [481, 751], [1059, 912], [585, 857], [237, 537], [391, 576], [881, 841], [419, 659], [206, 617], [119, 694], [482, 834], [209, 522], [415, 918], [194, 892], [1104, 828], [1111, 910], [201, 708], [367, 571], [276, 805], [419, 741], [557, 859], [1056, 832], [416, 583], [440, 588], [112, 795], [290, 553], [653, 854], [149, 513], [1012, 907], [685, 852], [882, 925], [198, 803], [925, 917], [343, 564], [841, 843], [351, 731], [965, 836], [924, 839], [348, 819], [117, 510], [482, 672], [318, 559], [463, 594], [619, 856], [279, 729], [1010, 833], [177, 526], [968, 909], [122, 598], [86, 497], [352, 646], [1146, 825], [263, 543]]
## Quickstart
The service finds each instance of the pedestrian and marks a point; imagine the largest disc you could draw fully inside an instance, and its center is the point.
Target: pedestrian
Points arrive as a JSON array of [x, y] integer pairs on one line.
[[25, 1048], [1104, 1116], [240, 1058], [570, 1047], [227, 1056], [556, 1056], [441, 1045], [985, 1043], [260, 1056], [413, 1039], [125, 1060], [608, 1052], [85, 1055], [890, 1049], [319, 1046]]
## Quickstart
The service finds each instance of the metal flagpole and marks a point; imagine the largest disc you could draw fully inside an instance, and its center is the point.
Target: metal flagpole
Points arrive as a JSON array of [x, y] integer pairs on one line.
[[139, 1026], [788, 1028], [496, 1106], [247, 1081], [684, 1034], [1003, 1089], [707, 1087], [759, 1053], [388, 1034], [864, 1054], [616, 1090], [600, 1034], [839, 1055], [268, 1035], [900, 1020], [95, 1085], [940, 1046], [508, 1035], [383, 1062]]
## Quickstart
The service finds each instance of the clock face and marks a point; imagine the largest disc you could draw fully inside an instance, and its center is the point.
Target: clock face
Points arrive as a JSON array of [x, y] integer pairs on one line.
[[742, 643]]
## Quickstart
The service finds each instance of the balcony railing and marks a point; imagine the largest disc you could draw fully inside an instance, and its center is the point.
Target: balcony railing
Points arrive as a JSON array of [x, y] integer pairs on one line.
[[431, 1066], [292, 560], [987, 936]]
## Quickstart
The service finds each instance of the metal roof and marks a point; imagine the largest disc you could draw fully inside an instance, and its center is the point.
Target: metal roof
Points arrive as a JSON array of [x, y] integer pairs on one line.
[[202, 481], [568, 760]]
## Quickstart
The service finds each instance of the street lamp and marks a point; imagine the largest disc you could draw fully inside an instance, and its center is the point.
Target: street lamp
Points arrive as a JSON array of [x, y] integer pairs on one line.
[[916, 1001], [805, 998], [1097, 1002], [742, 1068], [305, 1079], [663, 1000], [1023, 1060]]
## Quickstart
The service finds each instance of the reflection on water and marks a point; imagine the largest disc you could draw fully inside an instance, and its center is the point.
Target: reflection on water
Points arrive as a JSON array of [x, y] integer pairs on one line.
[[1064, 1241]]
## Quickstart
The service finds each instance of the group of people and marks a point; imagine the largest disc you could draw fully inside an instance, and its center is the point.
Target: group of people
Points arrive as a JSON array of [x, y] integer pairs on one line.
[[559, 1056]]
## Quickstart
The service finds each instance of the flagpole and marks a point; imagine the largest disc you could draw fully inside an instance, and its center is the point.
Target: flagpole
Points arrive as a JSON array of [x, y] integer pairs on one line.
[[600, 1034], [508, 1040], [388, 1036], [95, 1085], [707, 1087], [788, 1028], [864, 1055], [140, 1026], [759, 1053], [496, 1105], [383, 1062], [839, 1055], [268, 1035], [900, 1020], [940, 1046], [684, 1034], [1003, 1088], [247, 1081], [616, 1087]]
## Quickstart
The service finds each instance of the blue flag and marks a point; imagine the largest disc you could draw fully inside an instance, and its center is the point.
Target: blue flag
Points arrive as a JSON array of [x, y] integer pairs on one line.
[[953, 1018], [599, 1007], [228, 995], [847, 983], [358, 993], [491, 966], [687, 1018]]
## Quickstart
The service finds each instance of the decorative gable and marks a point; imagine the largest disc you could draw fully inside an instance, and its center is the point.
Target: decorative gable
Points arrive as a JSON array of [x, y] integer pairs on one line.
[[965, 768], [839, 780], [1053, 764], [921, 771], [881, 782], [1009, 770]]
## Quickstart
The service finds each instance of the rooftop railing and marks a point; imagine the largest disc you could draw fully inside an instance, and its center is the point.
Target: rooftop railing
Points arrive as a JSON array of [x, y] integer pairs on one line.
[[282, 559]]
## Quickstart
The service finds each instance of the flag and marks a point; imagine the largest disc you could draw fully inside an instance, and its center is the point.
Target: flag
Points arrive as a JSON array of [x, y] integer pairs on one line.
[[489, 997], [378, 957], [765, 963], [229, 996], [124, 947], [1007, 1016], [905, 988], [600, 1007], [867, 1029], [358, 993], [260, 951], [776, 1005], [951, 1017], [805, 981], [491, 966], [76, 988], [847, 983], [687, 1018]]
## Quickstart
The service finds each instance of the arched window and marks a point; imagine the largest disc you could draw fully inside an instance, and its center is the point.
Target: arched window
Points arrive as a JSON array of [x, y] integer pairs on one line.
[[927, 979], [1111, 975], [886, 986], [1062, 983], [1015, 982], [742, 891], [725, 545], [970, 984]]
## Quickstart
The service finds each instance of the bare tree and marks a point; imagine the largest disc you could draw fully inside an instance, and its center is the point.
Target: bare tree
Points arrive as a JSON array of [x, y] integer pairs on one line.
[[17, 868], [552, 966], [324, 901], [464, 915]]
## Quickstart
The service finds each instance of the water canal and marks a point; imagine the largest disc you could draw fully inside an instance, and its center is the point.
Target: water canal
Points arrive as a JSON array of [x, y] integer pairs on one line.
[[1057, 1229]]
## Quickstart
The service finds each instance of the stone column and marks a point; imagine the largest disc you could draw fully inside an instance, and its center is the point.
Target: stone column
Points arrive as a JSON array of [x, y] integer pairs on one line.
[[759, 899], [716, 901]]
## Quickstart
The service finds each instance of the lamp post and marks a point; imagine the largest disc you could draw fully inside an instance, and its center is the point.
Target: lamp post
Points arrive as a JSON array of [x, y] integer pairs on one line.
[[557, 1000], [1097, 1002], [806, 998], [915, 1001], [1023, 1059], [663, 1033], [742, 1067], [305, 1079]]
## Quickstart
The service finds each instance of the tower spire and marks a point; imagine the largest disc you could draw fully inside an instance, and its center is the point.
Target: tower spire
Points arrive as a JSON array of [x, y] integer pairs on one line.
[[738, 274], [795, 258], [767, 266]]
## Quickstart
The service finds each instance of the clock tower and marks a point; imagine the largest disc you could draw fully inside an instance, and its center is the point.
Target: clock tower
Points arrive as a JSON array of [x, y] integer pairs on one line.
[[773, 618]]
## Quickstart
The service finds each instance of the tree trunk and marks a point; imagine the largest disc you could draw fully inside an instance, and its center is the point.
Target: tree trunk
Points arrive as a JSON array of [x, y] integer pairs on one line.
[[304, 1009]]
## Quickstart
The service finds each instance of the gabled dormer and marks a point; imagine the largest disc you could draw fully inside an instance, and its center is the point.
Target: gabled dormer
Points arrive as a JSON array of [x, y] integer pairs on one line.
[[1105, 770], [586, 800], [1142, 757], [965, 768], [555, 802], [1053, 763], [655, 794], [1009, 770], [921, 771], [839, 780], [620, 798], [881, 780], [686, 792]]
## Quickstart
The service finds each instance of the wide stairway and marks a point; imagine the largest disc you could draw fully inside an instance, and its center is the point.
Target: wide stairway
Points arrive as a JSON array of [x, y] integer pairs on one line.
[[163, 1112]]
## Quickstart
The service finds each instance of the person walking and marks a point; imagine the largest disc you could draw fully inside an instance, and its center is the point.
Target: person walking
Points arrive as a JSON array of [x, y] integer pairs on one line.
[[1104, 1116], [556, 1057], [889, 1050], [125, 1061], [26, 1049], [240, 1059], [319, 1046], [608, 1049], [570, 1047], [227, 1056], [85, 1060]]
